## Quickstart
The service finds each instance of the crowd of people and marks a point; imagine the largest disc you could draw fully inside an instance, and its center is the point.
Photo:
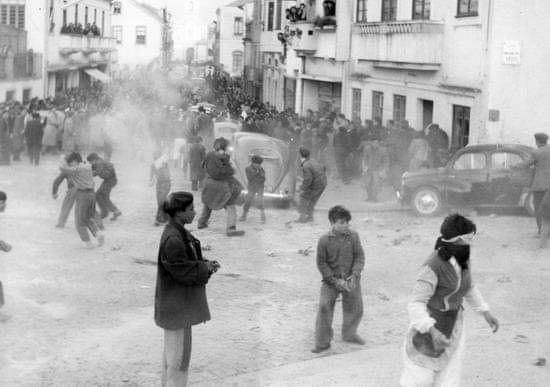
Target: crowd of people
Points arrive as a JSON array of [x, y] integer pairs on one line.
[[90, 29]]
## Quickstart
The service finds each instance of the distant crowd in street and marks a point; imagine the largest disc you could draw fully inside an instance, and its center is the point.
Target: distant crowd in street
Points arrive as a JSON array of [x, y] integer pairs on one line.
[[90, 29]]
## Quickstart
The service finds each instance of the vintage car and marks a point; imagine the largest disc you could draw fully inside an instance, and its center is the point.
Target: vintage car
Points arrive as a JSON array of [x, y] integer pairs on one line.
[[476, 176], [226, 129], [280, 179]]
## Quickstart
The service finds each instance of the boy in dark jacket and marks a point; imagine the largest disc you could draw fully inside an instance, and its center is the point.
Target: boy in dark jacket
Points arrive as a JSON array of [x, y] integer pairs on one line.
[[255, 175], [106, 171]]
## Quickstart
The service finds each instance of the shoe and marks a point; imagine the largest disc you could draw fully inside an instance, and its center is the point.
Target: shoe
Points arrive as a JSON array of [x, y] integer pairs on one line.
[[100, 240], [356, 339], [320, 349], [89, 245], [201, 226], [232, 233], [242, 218], [59, 226], [301, 219], [116, 215]]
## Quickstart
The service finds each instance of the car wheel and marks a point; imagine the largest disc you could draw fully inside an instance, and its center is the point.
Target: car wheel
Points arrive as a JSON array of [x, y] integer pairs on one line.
[[530, 204], [426, 201]]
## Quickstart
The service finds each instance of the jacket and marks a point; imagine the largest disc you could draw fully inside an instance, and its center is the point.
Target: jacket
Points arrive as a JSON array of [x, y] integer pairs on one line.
[[106, 171], [339, 256], [255, 175], [34, 131], [314, 178], [197, 154], [540, 158], [182, 274]]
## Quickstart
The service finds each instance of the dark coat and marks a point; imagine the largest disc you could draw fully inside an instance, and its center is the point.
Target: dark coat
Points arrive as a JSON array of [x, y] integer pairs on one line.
[[220, 188], [315, 179], [197, 154], [106, 171], [255, 174], [182, 273], [34, 132]]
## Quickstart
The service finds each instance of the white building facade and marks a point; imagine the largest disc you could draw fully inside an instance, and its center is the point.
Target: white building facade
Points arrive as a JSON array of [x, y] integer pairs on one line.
[[478, 69], [141, 34], [228, 45]]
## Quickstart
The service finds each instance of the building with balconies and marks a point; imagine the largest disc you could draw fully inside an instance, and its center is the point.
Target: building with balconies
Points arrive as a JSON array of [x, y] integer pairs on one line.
[[143, 36], [469, 66], [20, 68]]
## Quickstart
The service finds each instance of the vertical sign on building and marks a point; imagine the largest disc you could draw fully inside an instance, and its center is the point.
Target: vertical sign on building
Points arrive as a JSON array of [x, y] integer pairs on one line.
[[511, 52]]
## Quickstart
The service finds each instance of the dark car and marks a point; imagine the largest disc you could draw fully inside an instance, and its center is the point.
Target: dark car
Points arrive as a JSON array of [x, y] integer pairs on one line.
[[475, 176]]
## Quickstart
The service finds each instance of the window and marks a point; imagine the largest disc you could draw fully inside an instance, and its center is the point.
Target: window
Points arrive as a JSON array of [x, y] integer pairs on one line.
[[421, 10], [389, 10], [141, 35], [377, 105], [279, 14], [361, 11], [76, 14], [117, 33], [117, 7], [26, 95], [469, 161], [461, 126], [13, 16], [356, 104], [102, 22], [95, 15], [237, 61], [238, 26], [3, 14], [467, 8], [65, 17], [10, 95], [270, 15], [21, 17], [85, 16], [399, 108], [504, 160], [329, 8]]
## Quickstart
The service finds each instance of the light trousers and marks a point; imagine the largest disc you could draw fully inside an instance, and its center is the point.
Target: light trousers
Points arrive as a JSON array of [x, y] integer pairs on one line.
[[176, 357]]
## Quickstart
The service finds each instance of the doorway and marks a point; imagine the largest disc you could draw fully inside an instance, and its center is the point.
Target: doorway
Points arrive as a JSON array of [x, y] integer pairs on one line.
[[461, 127], [427, 113]]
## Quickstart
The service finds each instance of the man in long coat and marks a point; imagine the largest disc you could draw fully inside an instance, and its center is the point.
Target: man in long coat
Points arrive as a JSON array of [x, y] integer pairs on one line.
[[34, 131]]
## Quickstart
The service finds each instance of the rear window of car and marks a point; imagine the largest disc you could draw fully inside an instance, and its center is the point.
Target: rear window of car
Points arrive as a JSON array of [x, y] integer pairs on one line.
[[469, 161], [505, 160]]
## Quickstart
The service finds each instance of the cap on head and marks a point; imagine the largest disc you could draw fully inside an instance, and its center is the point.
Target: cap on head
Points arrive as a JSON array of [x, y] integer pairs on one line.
[[304, 152], [541, 137], [92, 157], [257, 159], [3, 196], [74, 156], [455, 225], [220, 143]]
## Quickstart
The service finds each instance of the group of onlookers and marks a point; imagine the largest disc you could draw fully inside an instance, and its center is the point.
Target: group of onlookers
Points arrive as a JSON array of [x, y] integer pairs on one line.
[[90, 29]]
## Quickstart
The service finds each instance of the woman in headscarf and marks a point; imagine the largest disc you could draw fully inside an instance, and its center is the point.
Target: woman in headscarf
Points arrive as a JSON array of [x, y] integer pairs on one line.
[[180, 297], [435, 340]]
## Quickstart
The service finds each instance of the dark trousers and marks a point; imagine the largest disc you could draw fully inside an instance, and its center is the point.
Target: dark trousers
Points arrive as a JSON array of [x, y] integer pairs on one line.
[[163, 189], [352, 306], [231, 212], [308, 202], [103, 197], [537, 201], [372, 177], [250, 198], [34, 153], [84, 214], [67, 206], [341, 167]]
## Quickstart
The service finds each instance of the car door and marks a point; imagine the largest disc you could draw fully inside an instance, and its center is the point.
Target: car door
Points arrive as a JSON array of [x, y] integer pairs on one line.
[[467, 179], [507, 184]]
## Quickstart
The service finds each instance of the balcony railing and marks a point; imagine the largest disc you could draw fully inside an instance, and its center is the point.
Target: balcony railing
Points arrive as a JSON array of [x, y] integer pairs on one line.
[[400, 27], [25, 65], [303, 38], [411, 44], [70, 44]]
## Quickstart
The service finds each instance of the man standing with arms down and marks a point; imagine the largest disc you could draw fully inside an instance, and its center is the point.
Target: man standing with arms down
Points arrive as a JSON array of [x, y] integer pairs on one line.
[[540, 158], [313, 186]]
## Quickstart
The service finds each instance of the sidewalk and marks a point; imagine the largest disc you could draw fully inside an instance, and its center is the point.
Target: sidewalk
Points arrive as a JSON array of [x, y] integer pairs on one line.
[[378, 366]]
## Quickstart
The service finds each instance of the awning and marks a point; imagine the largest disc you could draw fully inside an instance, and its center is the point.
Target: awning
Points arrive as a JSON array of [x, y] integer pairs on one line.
[[100, 76]]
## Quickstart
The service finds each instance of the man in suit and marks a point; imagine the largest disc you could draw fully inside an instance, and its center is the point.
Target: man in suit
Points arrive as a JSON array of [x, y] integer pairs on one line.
[[540, 159]]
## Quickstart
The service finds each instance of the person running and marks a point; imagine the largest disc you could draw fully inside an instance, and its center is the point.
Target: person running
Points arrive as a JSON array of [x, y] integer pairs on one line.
[[5, 247], [106, 171], [255, 174], [180, 295], [340, 260], [82, 176], [221, 189], [435, 340]]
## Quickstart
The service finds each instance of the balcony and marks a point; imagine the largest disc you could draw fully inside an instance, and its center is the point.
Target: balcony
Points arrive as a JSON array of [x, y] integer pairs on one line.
[[21, 66], [405, 45], [70, 44], [303, 38]]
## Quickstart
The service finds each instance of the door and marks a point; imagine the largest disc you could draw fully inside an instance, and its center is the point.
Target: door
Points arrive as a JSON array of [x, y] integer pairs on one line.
[[461, 127], [427, 113], [468, 179], [507, 184]]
